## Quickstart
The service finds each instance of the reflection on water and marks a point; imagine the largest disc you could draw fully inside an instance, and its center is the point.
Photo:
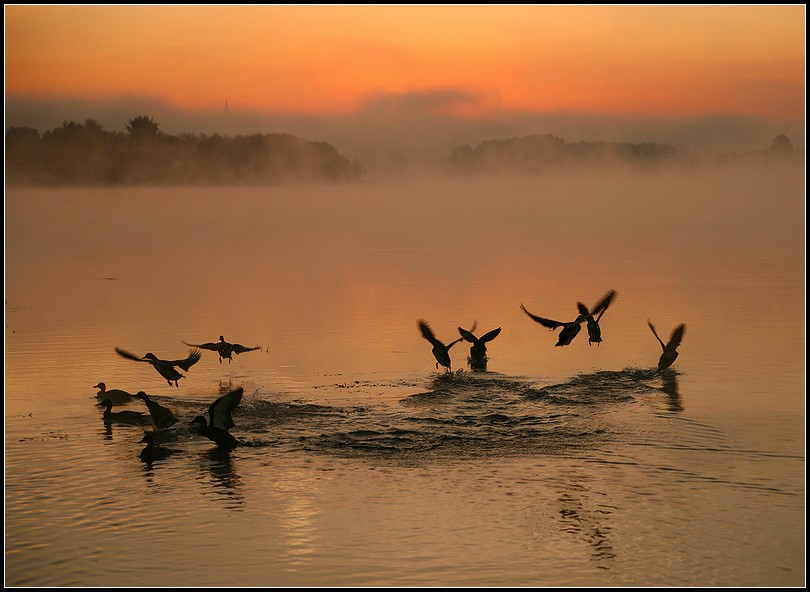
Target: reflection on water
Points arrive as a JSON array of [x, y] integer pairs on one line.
[[361, 464]]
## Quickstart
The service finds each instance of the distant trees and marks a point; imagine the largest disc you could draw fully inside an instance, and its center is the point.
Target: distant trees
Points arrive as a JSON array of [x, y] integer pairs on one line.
[[86, 154]]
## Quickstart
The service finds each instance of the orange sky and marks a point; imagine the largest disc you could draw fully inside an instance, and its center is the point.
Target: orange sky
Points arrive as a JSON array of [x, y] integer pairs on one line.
[[647, 60]]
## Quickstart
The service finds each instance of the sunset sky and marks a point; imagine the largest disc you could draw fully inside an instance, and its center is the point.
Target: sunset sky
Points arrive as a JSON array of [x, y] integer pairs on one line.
[[463, 60]]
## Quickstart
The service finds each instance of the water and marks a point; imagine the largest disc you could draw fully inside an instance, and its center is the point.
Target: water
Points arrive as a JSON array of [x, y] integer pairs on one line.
[[360, 463]]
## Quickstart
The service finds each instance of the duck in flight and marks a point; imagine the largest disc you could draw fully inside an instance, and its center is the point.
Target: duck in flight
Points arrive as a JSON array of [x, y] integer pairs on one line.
[[224, 349], [478, 359], [116, 396], [220, 420], [161, 416], [127, 417], [166, 368], [670, 352], [569, 330], [440, 351], [594, 330]]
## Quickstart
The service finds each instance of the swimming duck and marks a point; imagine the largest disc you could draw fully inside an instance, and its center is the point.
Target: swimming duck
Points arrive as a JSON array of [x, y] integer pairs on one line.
[[117, 396], [165, 368], [127, 417], [162, 417], [440, 351], [568, 332], [670, 349], [220, 420], [224, 349], [478, 351], [152, 451], [594, 330]]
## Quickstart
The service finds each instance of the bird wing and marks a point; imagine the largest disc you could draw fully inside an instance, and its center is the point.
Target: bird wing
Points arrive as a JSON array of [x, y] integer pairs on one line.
[[129, 356], [491, 335], [603, 304], [428, 334], [467, 335], [676, 337], [193, 357], [240, 349], [656, 335], [545, 322], [583, 310], [211, 346], [221, 409]]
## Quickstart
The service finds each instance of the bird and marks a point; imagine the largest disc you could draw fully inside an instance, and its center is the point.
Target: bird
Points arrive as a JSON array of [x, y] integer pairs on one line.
[[224, 349], [594, 330], [116, 396], [220, 420], [128, 417], [478, 351], [161, 416], [670, 349], [568, 332], [165, 368], [440, 351], [152, 451]]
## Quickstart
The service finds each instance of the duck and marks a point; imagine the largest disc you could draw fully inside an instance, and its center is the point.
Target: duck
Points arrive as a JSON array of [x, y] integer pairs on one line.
[[165, 368], [152, 451], [478, 359], [224, 349], [440, 351], [162, 417], [569, 330], [127, 417], [670, 352], [220, 420], [117, 396], [594, 330]]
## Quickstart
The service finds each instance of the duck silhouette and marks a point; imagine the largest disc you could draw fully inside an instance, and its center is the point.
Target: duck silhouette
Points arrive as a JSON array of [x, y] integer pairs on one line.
[[478, 359], [166, 368], [569, 330], [161, 416], [220, 420], [117, 396], [224, 349], [152, 451], [670, 352], [440, 351], [594, 330], [126, 417]]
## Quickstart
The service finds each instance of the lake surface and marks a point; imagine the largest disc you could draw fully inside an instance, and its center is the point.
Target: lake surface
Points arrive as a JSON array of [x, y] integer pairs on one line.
[[360, 463]]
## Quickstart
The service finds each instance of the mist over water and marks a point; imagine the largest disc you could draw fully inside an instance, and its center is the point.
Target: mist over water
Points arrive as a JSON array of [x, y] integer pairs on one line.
[[362, 464]]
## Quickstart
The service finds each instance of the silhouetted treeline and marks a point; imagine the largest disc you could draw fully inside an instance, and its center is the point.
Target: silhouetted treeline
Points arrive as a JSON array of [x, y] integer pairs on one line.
[[86, 154], [538, 153]]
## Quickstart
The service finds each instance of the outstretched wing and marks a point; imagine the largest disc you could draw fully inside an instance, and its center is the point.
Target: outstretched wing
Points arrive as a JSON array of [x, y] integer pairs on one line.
[[583, 310], [193, 357], [656, 334], [676, 337], [129, 356], [545, 322], [428, 334], [220, 410], [211, 346], [600, 308], [240, 349], [491, 335], [467, 335]]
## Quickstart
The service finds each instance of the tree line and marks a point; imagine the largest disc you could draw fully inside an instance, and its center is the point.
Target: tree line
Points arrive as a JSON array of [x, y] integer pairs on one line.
[[81, 154]]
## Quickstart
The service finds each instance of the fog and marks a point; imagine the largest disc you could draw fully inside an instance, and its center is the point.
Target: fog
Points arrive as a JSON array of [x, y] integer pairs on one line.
[[401, 133]]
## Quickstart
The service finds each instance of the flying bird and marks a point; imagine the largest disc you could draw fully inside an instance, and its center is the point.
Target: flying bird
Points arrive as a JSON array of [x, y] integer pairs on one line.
[[569, 330], [670, 349], [440, 351], [127, 417], [478, 351], [162, 417], [594, 330], [224, 349], [116, 396], [220, 421], [166, 368]]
